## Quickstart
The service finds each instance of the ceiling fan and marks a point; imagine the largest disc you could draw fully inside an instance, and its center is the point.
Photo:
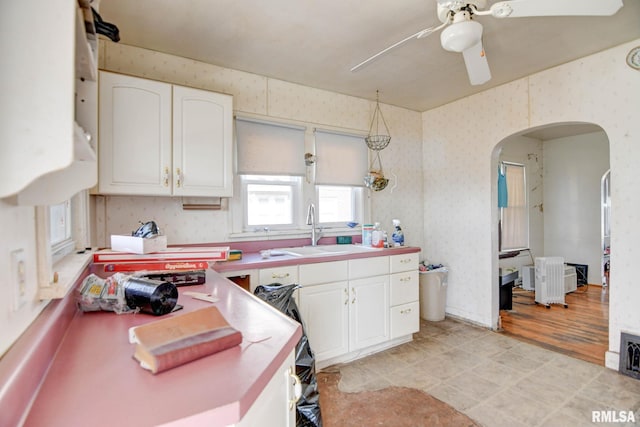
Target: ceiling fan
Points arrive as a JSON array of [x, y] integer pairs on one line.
[[464, 34]]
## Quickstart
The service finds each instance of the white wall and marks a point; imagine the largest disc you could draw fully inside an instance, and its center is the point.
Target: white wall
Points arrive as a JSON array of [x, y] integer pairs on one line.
[[573, 169], [18, 232], [459, 206], [268, 98]]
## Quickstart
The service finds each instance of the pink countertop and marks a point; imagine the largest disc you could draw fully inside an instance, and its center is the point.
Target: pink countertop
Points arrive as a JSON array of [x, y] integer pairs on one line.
[[253, 260], [95, 381]]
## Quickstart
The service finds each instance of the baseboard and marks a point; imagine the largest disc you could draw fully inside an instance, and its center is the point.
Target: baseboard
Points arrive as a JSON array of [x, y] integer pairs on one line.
[[612, 360]]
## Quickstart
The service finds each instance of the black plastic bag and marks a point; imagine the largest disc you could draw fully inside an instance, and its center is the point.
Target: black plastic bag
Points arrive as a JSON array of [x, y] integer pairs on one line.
[[308, 407]]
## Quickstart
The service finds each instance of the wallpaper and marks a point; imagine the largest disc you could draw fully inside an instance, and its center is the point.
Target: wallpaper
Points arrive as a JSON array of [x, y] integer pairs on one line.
[[267, 98], [459, 175]]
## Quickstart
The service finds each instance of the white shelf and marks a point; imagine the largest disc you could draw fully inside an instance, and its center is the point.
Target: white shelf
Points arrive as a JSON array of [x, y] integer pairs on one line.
[[86, 43]]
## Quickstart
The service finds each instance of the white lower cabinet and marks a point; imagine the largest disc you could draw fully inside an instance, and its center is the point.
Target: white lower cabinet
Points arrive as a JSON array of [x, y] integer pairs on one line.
[[286, 275], [404, 295], [368, 312], [276, 404], [343, 313], [325, 312]]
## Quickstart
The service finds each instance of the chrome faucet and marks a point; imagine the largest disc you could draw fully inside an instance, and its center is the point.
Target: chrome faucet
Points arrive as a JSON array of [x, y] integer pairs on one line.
[[311, 220]]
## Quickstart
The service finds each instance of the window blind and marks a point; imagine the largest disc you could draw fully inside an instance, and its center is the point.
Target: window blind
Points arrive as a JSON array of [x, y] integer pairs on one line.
[[341, 159], [266, 148], [515, 217]]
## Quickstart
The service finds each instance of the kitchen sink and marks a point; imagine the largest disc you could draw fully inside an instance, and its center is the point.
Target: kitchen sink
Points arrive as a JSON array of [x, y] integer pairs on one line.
[[325, 250]]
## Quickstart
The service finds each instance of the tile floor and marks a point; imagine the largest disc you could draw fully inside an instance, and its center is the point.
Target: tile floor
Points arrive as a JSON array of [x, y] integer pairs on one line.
[[496, 380]]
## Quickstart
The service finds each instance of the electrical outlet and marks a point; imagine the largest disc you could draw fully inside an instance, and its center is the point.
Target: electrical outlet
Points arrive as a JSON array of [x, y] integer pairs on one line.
[[18, 278]]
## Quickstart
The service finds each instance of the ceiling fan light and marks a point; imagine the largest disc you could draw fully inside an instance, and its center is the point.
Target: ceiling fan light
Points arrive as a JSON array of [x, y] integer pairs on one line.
[[460, 36]]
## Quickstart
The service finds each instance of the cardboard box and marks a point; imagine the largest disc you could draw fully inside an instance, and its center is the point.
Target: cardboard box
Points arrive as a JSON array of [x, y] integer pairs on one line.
[[138, 245]]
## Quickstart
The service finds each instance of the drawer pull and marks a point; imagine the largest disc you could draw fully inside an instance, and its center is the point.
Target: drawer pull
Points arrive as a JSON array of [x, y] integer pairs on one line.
[[407, 311], [165, 177], [178, 178], [406, 260], [297, 388], [279, 276], [406, 279]]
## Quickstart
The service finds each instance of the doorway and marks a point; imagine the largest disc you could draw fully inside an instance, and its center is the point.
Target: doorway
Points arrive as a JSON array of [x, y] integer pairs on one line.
[[564, 164]]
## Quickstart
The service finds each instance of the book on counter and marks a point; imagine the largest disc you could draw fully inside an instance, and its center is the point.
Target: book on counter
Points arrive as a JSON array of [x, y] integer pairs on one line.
[[173, 341], [132, 266], [195, 253]]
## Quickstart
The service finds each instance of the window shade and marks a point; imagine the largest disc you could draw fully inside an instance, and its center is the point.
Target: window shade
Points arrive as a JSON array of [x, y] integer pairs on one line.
[[515, 217], [266, 148], [341, 159]]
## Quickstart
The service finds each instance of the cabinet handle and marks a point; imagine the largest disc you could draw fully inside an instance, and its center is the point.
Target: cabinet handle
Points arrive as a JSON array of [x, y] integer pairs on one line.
[[404, 261], [297, 388], [279, 276], [407, 311], [406, 279], [346, 295], [353, 301], [165, 176], [178, 177]]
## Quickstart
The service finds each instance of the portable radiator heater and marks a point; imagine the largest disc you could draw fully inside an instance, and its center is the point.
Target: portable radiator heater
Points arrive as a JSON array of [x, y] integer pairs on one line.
[[549, 281]]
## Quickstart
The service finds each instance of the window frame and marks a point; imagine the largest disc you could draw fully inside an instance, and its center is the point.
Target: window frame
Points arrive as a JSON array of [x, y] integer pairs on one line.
[[506, 214], [296, 186]]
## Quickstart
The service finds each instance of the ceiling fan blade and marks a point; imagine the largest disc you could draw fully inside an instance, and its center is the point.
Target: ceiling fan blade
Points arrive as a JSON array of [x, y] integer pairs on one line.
[[477, 65], [521, 8], [420, 34]]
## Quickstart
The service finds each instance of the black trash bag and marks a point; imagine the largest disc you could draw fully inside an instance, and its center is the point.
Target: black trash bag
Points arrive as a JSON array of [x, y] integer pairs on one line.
[[308, 407]]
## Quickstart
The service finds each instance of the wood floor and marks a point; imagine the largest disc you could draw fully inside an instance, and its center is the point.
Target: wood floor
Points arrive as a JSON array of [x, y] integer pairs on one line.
[[580, 331]]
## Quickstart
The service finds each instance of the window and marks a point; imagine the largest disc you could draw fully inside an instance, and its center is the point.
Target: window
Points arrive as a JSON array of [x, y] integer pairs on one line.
[[278, 180], [339, 204], [60, 235], [514, 218], [270, 201]]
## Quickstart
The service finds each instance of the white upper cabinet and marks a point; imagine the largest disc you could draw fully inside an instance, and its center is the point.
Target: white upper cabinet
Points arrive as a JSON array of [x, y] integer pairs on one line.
[[135, 136], [163, 140], [202, 143]]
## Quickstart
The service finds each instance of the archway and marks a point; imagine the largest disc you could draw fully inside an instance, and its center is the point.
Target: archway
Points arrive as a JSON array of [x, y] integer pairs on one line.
[[564, 164]]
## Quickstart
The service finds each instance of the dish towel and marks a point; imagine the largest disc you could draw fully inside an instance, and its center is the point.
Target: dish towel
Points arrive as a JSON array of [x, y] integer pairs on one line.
[[503, 197]]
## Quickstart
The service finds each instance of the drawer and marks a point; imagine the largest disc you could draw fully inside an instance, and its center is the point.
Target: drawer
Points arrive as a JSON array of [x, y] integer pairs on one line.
[[404, 262], [368, 267], [323, 272], [405, 319], [287, 275], [404, 287]]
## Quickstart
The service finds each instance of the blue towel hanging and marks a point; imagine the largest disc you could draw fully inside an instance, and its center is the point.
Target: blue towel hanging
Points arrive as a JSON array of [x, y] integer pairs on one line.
[[503, 196]]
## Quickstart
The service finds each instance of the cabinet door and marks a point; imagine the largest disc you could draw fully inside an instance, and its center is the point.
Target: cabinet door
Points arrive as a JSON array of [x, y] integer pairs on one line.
[[135, 136], [404, 262], [202, 158], [404, 287], [325, 312], [405, 319], [368, 312], [275, 406], [286, 275]]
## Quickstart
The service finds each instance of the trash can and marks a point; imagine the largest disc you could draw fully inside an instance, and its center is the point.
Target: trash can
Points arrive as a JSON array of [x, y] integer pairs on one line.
[[433, 293]]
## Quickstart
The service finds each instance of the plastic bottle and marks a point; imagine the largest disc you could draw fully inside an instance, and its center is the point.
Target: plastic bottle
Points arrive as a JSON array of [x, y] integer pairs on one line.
[[376, 236], [398, 235]]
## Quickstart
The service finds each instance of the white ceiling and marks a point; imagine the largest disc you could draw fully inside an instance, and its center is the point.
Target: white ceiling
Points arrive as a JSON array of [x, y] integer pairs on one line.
[[316, 42]]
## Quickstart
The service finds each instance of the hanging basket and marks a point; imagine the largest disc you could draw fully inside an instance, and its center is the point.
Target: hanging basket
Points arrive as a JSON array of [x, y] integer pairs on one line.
[[377, 141], [375, 179]]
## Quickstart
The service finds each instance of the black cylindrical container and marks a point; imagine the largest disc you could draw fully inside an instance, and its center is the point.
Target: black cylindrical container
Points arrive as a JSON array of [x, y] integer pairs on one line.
[[150, 296]]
